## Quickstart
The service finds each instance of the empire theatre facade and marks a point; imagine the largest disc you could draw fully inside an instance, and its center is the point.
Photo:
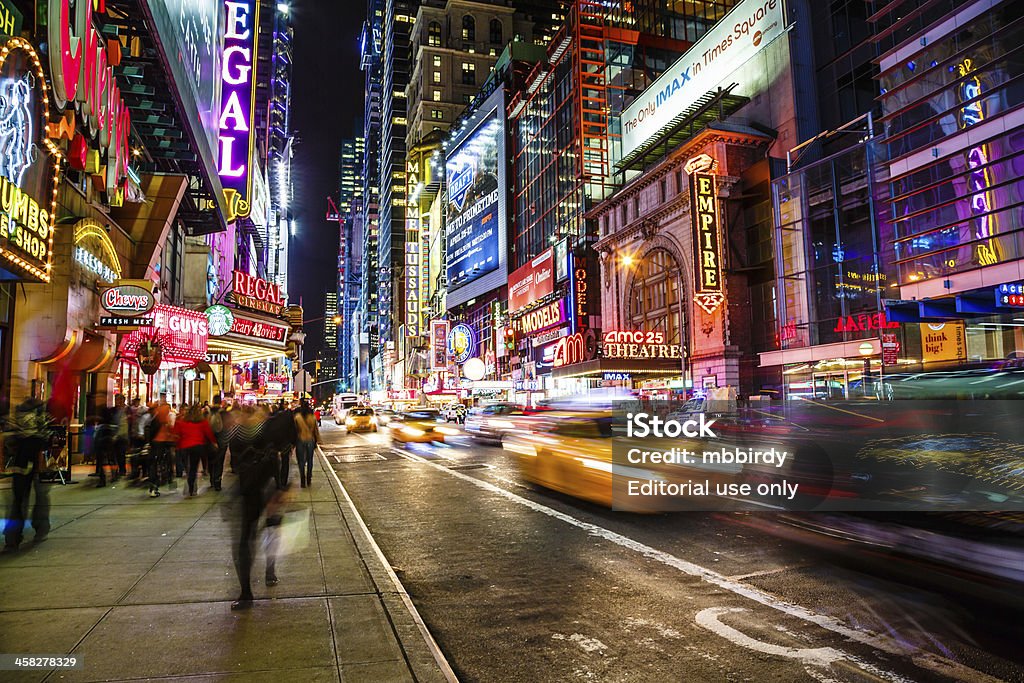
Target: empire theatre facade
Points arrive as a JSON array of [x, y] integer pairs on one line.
[[685, 245]]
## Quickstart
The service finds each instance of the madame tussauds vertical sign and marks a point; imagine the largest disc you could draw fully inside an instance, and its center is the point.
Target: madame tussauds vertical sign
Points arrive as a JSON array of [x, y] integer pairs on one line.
[[237, 112]]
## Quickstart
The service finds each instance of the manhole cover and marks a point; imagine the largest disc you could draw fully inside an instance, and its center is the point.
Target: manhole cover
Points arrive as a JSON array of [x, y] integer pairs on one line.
[[471, 466], [357, 457]]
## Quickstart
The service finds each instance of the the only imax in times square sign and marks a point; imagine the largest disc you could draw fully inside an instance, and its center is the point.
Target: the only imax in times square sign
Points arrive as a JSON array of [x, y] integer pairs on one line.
[[477, 215]]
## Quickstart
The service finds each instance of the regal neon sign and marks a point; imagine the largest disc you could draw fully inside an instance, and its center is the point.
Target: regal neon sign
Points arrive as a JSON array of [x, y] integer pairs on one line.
[[256, 293], [83, 74], [236, 119]]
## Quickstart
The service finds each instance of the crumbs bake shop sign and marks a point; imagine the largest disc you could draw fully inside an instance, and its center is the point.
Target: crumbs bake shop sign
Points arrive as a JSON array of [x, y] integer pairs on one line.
[[29, 165]]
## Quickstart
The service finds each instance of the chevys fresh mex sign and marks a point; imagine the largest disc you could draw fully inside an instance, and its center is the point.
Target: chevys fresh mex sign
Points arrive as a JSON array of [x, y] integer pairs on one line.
[[639, 345], [237, 116], [256, 293], [741, 34], [127, 299], [81, 64]]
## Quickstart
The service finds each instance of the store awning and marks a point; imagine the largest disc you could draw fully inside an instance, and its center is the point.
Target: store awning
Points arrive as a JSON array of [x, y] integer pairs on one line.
[[244, 351], [82, 351], [599, 366]]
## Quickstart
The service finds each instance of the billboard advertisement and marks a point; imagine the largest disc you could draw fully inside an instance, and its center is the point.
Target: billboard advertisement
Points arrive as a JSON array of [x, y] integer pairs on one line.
[[191, 36], [477, 206], [746, 30], [533, 281]]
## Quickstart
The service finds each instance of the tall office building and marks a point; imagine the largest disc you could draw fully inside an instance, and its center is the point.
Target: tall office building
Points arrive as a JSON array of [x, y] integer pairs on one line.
[[365, 322], [394, 62], [279, 152], [330, 322], [350, 254]]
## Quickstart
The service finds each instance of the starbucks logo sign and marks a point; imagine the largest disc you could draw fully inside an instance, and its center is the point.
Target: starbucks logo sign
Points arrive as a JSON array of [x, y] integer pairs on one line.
[[221, 320]]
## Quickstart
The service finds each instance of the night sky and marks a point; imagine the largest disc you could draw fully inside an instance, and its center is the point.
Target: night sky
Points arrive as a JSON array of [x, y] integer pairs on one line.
[[327, 101]]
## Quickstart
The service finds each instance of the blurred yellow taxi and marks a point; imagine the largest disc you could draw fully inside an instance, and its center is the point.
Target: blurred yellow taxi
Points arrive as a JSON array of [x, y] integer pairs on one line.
[[361, 419], [419, 426]]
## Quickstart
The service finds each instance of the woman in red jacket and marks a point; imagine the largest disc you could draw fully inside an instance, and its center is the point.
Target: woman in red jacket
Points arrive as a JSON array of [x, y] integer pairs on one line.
[[194, 438]]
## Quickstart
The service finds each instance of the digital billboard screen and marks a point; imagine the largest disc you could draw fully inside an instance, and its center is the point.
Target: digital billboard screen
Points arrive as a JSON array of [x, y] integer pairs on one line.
[[477, 217]]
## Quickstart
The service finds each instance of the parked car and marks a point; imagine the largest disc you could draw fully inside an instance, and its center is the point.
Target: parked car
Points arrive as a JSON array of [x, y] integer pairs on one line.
[[492, 422], [361, 419]]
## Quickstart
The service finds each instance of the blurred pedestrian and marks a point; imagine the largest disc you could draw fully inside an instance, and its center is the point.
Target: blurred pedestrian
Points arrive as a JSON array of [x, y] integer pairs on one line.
[[161, 439], [307, 434], [281, 435], [194, 438], [255, 459], [122, 422], [217, 419], [140, 419], [104, 444], [25, 441]]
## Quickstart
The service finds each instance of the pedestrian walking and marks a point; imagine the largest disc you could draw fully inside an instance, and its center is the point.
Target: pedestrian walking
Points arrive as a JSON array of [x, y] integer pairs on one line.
[[161, 439], [194, 438], [218, 426], [122, 434], [281, 435], [141, 418], [255, 459], [25, 440], [307, 434], [104, 445]]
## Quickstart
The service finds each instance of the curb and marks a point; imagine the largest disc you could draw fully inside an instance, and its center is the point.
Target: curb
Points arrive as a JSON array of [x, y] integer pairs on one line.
[[389, 586]]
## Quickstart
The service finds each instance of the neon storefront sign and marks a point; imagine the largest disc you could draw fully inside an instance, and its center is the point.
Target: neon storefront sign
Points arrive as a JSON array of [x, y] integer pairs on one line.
[[546, 316], [83, 76], [462, 343], [29, 164], [865, 322], [639, 344], [707, 252], [256, 293], [237, 118], [182, 334], [979, 181]]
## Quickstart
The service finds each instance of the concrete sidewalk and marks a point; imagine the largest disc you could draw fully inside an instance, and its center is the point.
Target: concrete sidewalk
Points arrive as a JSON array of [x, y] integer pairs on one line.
[[141, 588]]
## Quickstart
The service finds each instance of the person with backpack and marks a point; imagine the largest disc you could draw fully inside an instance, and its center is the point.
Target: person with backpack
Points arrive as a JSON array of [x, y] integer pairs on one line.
[[307, 437]]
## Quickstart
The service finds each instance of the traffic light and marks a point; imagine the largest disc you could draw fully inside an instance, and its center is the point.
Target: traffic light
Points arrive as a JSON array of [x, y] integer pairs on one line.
[[510, 339], [317, 366]]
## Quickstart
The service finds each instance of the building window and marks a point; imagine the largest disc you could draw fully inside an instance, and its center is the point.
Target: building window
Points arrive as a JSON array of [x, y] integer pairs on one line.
[[437, 114], [468, 28], [636, 206], [437, 95], [434, 34], [437, 60], [437, 77], [663, 190], [468, 73], [655, 295], [496, 37], [679, 181]]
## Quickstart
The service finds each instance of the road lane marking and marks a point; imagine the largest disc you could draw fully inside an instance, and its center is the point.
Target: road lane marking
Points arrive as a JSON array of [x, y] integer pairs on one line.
[[924, 660], [435, 650], [843, 410], [821, 657]]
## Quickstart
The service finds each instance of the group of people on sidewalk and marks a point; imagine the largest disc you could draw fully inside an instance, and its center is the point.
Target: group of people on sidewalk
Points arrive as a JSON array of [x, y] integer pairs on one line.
[[163, 443]]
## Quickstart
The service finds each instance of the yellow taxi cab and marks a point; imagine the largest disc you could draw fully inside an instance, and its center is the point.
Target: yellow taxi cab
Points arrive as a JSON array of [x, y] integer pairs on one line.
[[421, 425], [361, 419]]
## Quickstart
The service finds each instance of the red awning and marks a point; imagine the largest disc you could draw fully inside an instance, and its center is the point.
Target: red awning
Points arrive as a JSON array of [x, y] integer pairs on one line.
[[83, 351]]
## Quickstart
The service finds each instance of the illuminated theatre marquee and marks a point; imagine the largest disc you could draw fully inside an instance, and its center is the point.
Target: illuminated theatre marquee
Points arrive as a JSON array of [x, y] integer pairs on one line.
[[237, 116], [707, 251], [257, 294], [639, 345], [29, 164]]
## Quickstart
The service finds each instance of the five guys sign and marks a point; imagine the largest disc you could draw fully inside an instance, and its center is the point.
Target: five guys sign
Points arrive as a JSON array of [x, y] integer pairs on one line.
[[256, 293], [237, 115]]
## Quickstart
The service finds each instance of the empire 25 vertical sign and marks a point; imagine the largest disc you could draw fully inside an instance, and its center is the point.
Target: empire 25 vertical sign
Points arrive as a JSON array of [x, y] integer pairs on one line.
[[707, 252], [238, 95]]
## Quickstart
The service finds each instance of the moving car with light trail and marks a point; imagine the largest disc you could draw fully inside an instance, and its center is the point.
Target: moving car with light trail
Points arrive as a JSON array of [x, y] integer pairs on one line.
[[420, 426], [361, 419]]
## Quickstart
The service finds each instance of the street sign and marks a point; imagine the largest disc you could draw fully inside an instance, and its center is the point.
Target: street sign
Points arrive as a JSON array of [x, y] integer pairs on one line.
[[303, 382]]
